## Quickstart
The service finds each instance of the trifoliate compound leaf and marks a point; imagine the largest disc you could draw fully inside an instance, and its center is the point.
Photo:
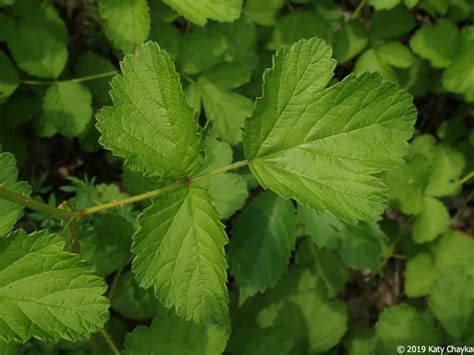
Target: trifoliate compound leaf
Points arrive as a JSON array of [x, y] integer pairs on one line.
[[9, 79], [433, 220], [91, 63], [67, 109], [107, 244], [403, 324], [321, 146], [459, 76], [419, 275], [262, 240], [46, 293], [200, 11], [262, 12], [390, 24], [299, 25], [10, 212], [39, 41], [179, 251], [150, 124], [350, 41], [438, 43], [126, 22], [225, 110], [384, 4], [175, 336], [452, 301]]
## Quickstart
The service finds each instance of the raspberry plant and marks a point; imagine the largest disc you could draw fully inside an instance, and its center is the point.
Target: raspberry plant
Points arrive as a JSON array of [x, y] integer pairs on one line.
[[253, 185]]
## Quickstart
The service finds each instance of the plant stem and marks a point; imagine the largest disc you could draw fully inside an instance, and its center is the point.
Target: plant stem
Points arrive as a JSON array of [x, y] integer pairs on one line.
[[159, 191], [358, 9], [466, 178], [76, 80], [110, 342], [35, 205]]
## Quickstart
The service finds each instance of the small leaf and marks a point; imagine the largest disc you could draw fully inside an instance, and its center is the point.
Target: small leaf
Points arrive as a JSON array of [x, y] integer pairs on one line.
[[390, 24], [67, 109], [350, 41], [9, 79], [179, 251], [131, 15], [262, 240], [323, 147], [433, 220], [384, 4], [10, 212], [200, 12], [174, 336], [263, 12], [149, 103], [46, 293], [459, 76], [438, 43], [419, 275]]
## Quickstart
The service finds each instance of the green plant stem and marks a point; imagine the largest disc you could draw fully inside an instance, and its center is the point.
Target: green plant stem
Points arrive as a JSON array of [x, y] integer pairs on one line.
[[35, 205], [159, 191], [76, 80], [466, 178], [358, 9], [110, 342]]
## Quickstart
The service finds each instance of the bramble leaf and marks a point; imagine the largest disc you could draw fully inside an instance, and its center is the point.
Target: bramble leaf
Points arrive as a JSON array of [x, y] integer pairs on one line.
[[200, 12], [179, 251], [46, 293], [175, 336], [150, 124], [433, 220], [9, 79], [10, 212], [126, 22], [67, 109], [321, 146], [262, 240]]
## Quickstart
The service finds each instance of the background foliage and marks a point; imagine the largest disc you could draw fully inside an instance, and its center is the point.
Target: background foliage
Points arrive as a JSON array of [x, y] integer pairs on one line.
[[387, 260]]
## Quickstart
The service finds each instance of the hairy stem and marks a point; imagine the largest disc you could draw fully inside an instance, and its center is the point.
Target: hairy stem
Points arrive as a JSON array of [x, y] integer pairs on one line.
[[110, 342], [466, 178], [76, 80], [35, 205], [358, 9]]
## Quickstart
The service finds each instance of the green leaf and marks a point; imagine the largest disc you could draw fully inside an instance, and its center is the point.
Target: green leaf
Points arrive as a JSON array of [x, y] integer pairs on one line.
[[90, 63], [361, 342], [350, 41], [46, 293], [200, 12], [9, 79], [226, 110], [228, 190], [174, 336], [390, 24], [132, 301], [10, 212], [419, 275], [403, 324], [67, 109], [321, 227], [299, 25], [179, 250], [107, 245], [39, 41], [321, 146], [459, 76], [149, 103], [384, 4], [433, 220], [132, 15], [438, 43], [262, 240], [452, 301], [262, 12]]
